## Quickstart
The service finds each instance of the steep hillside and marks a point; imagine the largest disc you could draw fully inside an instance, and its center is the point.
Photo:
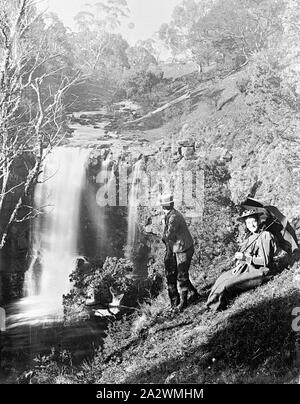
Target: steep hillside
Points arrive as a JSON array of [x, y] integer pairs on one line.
[[252, 118], [251, 342]]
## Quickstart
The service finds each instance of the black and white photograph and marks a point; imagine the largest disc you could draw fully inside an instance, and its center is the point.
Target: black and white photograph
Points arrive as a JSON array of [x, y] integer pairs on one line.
[[149, 195]]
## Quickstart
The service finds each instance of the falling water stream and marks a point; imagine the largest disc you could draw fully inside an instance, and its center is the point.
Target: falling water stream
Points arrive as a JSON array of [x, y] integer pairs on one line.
[[133, 203], [54, 236]]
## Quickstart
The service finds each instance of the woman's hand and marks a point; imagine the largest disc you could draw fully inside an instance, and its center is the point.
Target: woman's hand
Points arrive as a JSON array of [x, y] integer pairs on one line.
[[239, 256], [243, 257]]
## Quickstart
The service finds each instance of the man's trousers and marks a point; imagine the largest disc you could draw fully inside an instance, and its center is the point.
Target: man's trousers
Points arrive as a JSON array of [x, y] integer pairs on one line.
[[177, 270]]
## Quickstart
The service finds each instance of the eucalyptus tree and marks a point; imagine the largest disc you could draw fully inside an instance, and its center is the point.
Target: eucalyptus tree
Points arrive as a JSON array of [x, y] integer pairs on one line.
[[223, 31], [98, 43], [99, 50]]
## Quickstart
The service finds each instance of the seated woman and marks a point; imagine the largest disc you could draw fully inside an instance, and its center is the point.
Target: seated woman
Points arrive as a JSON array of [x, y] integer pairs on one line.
[[254, 263]]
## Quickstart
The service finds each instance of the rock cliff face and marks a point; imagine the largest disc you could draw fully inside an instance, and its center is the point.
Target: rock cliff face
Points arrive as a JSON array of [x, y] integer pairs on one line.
[[109, 183]]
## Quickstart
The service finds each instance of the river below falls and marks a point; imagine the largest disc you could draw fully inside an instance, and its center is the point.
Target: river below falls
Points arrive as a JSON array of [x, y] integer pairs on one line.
[[25, 340]]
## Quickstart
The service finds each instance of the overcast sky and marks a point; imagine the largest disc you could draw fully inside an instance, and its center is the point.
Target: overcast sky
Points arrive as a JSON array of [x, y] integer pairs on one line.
[[147, 15]]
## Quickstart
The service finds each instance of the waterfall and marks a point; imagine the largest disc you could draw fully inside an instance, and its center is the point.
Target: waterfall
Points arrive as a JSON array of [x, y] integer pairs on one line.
[[106, 177], [31, 276], [133, 202], [55, 232]]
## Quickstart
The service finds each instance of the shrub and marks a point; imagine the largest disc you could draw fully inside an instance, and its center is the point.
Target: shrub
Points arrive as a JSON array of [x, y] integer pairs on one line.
[[97, 278]]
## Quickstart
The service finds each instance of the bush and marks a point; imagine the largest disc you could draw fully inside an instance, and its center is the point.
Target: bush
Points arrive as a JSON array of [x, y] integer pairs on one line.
[[97, 278]]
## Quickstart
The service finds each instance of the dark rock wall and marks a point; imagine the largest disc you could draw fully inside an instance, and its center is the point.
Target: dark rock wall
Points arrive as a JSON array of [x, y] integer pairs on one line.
[[15, 254]]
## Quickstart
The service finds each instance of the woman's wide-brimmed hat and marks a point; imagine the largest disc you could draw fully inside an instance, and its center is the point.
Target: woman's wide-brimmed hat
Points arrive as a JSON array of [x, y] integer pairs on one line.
[[166, 200], [248, 213]]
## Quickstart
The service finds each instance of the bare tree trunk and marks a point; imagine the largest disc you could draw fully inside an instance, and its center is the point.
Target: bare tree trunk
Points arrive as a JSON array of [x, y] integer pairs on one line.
[[31, 179], [41, 128], [4, 185]]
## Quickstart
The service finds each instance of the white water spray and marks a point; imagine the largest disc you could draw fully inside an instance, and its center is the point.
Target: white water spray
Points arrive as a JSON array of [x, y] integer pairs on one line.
[[55, 232]]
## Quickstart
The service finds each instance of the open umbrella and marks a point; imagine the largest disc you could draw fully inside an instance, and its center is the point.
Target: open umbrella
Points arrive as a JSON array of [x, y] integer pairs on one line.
[[281, 228], [251, 203]]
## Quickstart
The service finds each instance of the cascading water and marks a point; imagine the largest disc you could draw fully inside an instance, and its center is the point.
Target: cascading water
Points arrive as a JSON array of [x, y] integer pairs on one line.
[[133, 202], [105, 177], [97, 206], [55, 232]]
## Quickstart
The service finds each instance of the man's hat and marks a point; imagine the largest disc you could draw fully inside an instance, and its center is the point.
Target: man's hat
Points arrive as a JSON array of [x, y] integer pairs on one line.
[[166, 200], [248, 213]]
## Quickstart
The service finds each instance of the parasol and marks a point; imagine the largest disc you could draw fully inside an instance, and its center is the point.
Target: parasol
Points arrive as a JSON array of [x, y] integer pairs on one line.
[[281, 227]]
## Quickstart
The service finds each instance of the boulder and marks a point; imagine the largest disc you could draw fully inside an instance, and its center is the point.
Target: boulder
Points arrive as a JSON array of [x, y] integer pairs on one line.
[[184, 131], [176, 158], [166, 148], [226, 156], [188, 152], [149, 153], [128, 138], [186, 143], [104, 146]]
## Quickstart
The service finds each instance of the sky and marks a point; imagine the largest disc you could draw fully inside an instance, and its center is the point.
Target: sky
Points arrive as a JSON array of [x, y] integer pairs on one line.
[[147, 15]]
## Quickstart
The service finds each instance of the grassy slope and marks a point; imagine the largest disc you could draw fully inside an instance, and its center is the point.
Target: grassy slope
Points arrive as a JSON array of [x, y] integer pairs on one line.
[[251, 342]]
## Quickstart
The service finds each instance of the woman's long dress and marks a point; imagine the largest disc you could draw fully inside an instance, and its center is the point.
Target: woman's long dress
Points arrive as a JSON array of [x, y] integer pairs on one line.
[[246, 275]]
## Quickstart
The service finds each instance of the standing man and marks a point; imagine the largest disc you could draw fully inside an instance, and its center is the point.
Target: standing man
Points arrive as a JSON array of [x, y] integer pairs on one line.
[[179, 253]]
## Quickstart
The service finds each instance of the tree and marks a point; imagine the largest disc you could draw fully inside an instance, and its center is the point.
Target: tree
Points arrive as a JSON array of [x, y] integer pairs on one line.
[[33, 82], [140, 58], [152, 46], [180, 31], [141, 84], [223, 30], [240, 28], [96, 45], [99, 52]]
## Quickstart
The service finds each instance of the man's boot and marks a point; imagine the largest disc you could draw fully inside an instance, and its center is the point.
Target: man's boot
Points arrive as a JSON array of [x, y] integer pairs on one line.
[[194, 297], [175, 301], [183, 300]]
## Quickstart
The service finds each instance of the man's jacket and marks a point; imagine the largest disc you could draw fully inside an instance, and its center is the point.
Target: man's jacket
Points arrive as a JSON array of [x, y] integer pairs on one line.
[[176, 232]]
